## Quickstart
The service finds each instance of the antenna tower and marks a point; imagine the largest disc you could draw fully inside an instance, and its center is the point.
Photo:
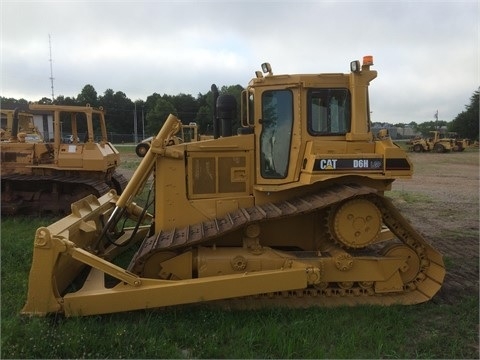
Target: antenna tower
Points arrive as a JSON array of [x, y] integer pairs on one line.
[[51, 65]]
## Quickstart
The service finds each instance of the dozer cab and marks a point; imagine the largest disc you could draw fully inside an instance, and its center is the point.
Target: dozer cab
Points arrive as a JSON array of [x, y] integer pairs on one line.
[[47, 176], [289, 211]]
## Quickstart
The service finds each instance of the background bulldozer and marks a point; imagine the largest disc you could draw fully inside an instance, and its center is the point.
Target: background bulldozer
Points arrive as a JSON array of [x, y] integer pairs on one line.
[[288, 212], [47, 176], [25, 127]]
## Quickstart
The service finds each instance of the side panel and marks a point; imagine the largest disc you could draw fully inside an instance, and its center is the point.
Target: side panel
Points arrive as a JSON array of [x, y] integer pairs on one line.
[[218, 174], [214, 178]]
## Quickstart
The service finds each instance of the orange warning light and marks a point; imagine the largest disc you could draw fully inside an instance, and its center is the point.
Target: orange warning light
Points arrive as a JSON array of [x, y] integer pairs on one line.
[[368, 60]]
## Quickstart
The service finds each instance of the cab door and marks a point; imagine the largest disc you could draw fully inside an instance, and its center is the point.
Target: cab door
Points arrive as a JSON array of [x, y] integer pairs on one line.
[[275, 129]]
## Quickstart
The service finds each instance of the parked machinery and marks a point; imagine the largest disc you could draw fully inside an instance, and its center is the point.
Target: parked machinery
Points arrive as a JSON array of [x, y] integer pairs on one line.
[[460, 144], [288, 212], [187, 133], [49, 176], [25, 127], [436, 142]]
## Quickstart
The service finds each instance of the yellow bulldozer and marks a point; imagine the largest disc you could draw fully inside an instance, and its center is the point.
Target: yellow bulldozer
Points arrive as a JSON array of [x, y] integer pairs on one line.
[[25, 130], [290, 211], [47, 176]]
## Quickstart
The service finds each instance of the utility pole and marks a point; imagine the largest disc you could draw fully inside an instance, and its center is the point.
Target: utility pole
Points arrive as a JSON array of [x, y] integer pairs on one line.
[[143, 123], [135, 137], [51, 66]]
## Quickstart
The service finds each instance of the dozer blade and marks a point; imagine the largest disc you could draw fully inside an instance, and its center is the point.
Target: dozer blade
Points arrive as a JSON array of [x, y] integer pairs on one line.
[[60, 258], [53, 268], [66, 248]]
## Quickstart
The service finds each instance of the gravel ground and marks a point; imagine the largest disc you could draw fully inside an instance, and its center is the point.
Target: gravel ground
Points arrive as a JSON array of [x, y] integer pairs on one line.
[[448, 216]]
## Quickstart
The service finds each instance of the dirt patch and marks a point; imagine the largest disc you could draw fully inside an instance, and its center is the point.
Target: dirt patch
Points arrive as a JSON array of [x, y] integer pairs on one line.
[[444, 207]]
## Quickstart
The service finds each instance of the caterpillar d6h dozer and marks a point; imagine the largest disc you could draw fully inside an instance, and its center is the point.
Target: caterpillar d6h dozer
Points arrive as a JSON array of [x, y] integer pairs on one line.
[[47, 176], [290, 212]]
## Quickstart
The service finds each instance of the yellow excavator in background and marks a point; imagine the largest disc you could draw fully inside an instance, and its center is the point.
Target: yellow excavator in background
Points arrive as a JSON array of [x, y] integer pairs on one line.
[[290, 211]]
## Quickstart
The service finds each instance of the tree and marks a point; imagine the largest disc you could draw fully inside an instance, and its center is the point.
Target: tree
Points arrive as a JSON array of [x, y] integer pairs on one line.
[[204, 120], [157, 116], [151, 101], [62, 100], [88, 96], [119, 111], [148, 106], [466, 123], [204, 115], [45, 100], [11, 103], [140, 109], [186, 106]]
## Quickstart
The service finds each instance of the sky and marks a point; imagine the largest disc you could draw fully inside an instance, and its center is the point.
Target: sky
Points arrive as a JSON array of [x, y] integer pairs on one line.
[[426, 52]]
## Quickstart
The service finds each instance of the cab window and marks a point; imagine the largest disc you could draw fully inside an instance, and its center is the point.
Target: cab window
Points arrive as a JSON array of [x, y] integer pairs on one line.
[[277, 121], [328, 111]]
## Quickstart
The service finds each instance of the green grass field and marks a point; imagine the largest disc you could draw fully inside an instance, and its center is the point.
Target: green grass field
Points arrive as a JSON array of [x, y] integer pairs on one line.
[[430, 330]]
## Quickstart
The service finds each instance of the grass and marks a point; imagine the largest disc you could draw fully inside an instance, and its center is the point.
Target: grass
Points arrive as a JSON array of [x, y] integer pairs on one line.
[[430, 330], [129, 159], [409, 197], [130, 164], [125, 149]]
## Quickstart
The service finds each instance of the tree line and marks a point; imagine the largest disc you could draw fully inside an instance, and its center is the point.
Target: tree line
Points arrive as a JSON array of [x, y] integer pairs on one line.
[[120, 110], [151, 113]]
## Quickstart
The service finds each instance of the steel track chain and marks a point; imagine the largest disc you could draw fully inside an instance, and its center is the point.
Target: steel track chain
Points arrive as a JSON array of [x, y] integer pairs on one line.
[[199, 233], [98, 186], [333, 294]]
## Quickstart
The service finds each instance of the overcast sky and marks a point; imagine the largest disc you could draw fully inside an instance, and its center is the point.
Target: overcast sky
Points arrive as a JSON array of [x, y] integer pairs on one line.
[[426, 52]]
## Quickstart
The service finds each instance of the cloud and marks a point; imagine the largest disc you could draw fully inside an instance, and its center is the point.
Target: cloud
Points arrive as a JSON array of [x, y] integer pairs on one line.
[[426, 52]]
